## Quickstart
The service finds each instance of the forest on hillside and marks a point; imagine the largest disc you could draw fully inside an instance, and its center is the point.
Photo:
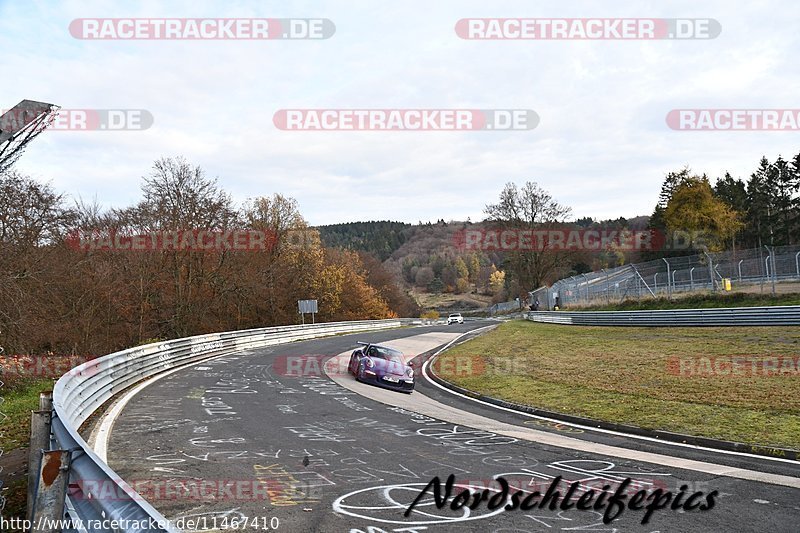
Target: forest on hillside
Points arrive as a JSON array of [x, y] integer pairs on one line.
[[728, 213], [380, 238], [62, 298], [59, 295]]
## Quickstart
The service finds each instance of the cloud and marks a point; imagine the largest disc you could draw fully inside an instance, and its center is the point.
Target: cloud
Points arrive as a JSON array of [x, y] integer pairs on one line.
[[602, 146]]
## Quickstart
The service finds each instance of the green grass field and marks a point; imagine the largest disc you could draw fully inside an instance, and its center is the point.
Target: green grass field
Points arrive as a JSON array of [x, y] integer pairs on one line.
[[622, 375]]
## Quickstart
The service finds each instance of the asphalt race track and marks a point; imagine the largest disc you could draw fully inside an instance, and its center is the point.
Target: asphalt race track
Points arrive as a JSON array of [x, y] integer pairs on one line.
[[319, 453]]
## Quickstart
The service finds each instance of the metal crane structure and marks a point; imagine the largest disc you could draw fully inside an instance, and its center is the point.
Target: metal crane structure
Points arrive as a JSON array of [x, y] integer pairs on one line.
[[20, 125]]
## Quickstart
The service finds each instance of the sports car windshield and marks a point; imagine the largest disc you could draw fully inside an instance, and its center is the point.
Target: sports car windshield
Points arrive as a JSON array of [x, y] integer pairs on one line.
[[387, 354]]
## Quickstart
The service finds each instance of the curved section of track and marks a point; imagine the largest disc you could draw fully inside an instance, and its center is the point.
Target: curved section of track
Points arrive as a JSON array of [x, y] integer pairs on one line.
[[246, 437]]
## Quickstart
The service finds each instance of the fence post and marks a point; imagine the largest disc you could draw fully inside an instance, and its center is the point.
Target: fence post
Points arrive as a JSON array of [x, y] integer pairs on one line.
[[773, 271], [740, 270], [669, 287], [586, 281], [691, 279], [710, 270], [51, 491], [797, 263], [40, 441]]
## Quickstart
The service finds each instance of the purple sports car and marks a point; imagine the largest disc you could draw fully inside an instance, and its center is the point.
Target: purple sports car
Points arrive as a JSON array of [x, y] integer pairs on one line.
[[382, 366]]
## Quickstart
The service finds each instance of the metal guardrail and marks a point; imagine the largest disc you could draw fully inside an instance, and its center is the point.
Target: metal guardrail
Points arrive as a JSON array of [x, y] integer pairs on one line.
[[788, 315], [83, 391]]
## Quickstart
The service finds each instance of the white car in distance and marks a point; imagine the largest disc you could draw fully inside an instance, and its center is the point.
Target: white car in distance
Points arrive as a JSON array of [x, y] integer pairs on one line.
[[455, 318]]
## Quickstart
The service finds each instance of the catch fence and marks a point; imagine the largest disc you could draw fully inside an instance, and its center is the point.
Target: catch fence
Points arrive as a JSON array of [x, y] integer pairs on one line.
[[764, 269]]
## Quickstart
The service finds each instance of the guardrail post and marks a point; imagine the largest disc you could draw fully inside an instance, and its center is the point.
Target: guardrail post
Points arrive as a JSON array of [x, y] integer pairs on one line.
[[51, 491], [40, 440], [46, 400]]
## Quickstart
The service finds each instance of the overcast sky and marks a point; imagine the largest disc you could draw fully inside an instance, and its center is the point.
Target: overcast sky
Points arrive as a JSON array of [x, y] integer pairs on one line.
[[602, 146]]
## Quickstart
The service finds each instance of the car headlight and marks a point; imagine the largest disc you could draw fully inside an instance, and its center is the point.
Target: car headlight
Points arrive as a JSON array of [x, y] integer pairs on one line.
[[410, 372], [369, 363]]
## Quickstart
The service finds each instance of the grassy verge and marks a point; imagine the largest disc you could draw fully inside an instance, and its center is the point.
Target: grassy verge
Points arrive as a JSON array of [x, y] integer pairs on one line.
[[19, 400], [736, 299], [428, 300], [623, 375]]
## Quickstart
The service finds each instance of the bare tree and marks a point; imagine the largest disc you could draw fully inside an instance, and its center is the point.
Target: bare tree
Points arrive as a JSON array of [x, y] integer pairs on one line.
[[179, 197], [286, 236], [529, 208], [31, 213], [279, 217], [33, 219]]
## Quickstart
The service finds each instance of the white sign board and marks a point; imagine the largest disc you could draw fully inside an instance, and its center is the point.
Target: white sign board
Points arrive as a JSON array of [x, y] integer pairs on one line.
[[307, 306]]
